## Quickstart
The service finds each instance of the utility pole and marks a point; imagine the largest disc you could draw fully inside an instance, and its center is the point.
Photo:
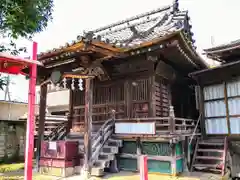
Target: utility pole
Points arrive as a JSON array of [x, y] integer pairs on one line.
[[212, 41], [7, 93]]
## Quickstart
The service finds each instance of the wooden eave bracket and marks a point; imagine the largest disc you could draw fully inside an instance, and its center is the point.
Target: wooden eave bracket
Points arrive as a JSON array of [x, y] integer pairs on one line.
[[193, 52], [94, 46]]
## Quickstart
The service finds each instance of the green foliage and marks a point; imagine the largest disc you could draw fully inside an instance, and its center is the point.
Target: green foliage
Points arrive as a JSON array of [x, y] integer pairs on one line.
[[21, 19], [11, 167]]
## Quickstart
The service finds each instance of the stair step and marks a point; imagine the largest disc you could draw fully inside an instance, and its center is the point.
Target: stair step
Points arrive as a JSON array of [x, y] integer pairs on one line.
[[110, 149], [102, 163], [97, 171], [110, 142], [106, 156], [206, 165], [211, 143], [77, 136], [210, 150], [209, 157]]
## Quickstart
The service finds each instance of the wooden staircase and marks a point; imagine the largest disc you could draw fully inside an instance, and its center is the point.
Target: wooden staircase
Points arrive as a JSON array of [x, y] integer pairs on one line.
[[210, 155], [106, 157], [104, 145], [53, 127], [104, 148]]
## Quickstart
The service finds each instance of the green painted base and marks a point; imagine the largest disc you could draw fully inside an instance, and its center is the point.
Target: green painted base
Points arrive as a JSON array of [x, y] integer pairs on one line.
[[127, 164], [157, 166], [155, 150]]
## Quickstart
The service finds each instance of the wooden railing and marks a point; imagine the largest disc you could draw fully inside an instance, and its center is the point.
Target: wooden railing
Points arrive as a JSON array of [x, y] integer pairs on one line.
[[165, 125], [101, 137], [224, 155], [52, 123], [58, 133], [195, 131]]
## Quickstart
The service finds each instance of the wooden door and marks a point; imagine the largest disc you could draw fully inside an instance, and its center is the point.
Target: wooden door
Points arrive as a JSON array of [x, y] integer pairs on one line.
[[139, 98]]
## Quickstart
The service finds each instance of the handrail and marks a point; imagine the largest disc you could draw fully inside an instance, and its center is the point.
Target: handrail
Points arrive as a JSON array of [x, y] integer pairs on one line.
[[100, 132], [169, 124], [182, 119], [194, 132], [54, 118], [101, 137], [143, 119], [59, 128], [224, 155]]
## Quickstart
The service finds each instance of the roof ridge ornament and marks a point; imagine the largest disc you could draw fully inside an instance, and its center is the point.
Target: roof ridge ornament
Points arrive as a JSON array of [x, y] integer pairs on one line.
[[88, 36], [175, 5]]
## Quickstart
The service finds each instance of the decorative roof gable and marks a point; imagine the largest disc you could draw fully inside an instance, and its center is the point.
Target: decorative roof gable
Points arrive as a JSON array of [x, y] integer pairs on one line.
[[135, 31]]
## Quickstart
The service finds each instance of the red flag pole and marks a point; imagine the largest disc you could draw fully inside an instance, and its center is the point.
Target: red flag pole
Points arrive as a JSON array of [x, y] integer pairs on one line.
[[31, 119]]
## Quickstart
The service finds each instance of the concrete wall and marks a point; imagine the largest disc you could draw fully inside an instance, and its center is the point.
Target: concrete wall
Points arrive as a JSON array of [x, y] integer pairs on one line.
[[12, 130], [13, 111], [12, 140]]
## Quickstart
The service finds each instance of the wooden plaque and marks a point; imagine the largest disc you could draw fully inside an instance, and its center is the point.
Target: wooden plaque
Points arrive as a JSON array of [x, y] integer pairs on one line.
[[147, 128]]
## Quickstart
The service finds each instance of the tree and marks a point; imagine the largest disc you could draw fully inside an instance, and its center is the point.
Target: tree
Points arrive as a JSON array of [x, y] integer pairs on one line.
[[21, 19]]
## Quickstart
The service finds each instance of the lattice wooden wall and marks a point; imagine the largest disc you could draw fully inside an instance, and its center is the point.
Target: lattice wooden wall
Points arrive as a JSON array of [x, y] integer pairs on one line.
[[162, 97], [140, 99], [105, 98], [129, 98]]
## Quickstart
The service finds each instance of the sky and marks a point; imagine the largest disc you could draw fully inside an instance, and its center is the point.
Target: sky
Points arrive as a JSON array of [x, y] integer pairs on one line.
[[213, 22]]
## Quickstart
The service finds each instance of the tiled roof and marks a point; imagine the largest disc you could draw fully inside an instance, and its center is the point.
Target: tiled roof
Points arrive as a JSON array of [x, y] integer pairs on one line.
[[144, 28], [139, 29], [224, 47]]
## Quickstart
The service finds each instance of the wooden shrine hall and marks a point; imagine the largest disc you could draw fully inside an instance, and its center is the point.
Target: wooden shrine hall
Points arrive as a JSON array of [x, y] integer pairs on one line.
[[123, 90]]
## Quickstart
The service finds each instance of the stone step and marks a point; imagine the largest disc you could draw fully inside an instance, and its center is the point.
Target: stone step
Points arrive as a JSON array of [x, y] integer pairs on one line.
[[97, 171], [106, 154], [104, 163]]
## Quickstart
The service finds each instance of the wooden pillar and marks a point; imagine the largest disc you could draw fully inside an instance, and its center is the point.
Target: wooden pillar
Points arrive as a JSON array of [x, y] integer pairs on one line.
[[70, 115], [169, 93], [41, 121], [186, 151], [127, 101], [202, 111], [227, 108], [171, 120], [152, 97], [88, 125], [139, 153]]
